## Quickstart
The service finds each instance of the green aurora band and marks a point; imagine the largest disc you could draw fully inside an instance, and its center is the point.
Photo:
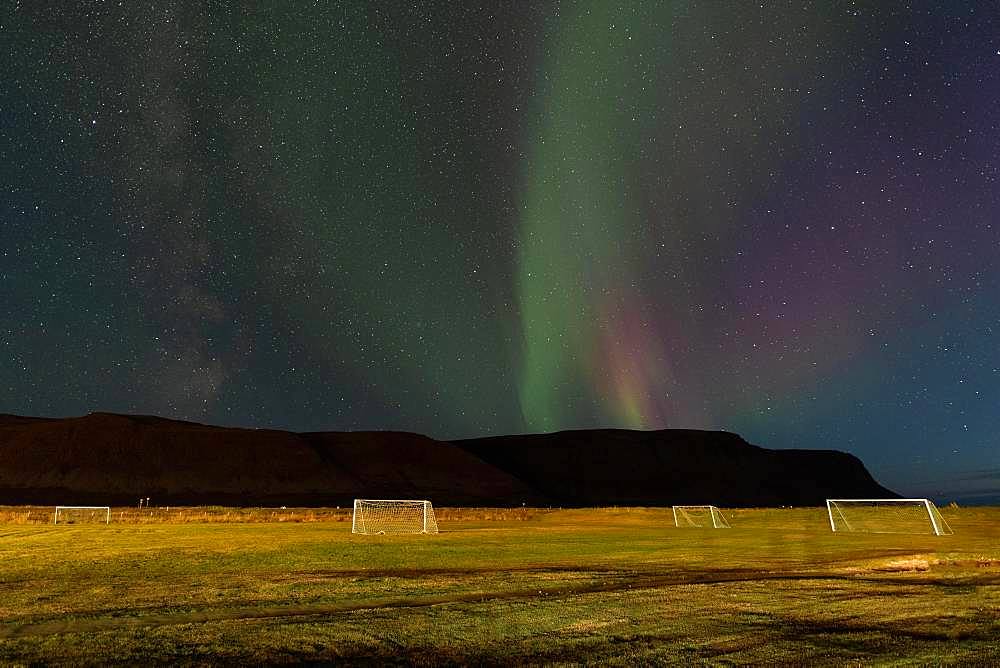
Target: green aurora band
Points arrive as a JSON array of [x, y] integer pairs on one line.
[[615, 266], [577, 228]]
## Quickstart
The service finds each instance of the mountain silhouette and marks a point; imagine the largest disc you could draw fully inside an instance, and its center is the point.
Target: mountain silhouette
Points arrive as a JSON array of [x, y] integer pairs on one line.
[[106, 458]]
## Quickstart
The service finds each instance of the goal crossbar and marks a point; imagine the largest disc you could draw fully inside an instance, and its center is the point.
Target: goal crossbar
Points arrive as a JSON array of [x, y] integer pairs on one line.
[[63, 509], [925, 511]]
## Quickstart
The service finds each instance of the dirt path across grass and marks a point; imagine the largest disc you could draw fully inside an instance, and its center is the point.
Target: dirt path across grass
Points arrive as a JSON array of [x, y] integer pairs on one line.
[[608, 582]]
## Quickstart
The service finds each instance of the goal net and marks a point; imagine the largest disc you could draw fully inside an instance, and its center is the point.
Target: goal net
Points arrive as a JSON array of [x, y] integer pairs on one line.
[[82, 515], [886, 516], [372, 516], [700, 516]]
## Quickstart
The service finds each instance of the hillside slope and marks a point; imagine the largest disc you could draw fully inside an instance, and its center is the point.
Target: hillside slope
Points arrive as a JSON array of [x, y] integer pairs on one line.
[[107, 458]]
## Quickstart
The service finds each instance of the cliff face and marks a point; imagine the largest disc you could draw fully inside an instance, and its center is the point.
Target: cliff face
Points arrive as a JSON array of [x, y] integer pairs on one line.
[[674, 466], [115, 459]]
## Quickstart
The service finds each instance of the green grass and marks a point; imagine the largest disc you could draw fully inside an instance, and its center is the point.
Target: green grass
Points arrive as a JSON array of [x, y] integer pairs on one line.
[[616, 586]]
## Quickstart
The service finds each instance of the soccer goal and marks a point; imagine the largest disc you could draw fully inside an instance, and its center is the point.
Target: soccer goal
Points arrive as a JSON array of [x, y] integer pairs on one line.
[[886, 516], [372, 516], [82, 515], [700, 516]]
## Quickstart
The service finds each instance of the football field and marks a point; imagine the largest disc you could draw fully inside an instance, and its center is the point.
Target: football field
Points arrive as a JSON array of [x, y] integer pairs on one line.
[[612, 586]]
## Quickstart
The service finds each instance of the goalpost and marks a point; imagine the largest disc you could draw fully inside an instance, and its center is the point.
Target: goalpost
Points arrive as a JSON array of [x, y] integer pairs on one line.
[[375, 516], [79, 514], [886, 516], [700, 516]]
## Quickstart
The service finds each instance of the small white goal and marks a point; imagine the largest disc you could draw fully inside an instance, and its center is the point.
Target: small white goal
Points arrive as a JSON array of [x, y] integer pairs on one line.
[[82, 515], [886, 516], [393, 516], [700, 516]]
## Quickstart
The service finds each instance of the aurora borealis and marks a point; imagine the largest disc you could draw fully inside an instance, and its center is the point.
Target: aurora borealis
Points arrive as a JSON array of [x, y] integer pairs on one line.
[[469, 220]]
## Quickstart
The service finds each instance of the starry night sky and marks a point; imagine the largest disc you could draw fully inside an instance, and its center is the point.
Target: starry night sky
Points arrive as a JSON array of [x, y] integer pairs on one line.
[[469, 220]]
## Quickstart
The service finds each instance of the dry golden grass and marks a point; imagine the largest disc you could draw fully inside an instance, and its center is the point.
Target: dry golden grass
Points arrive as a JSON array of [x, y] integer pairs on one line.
[[221, 514], [616, 586]]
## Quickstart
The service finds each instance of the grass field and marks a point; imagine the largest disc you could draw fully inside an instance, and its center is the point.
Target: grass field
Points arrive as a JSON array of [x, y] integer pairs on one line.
[[615, 586]]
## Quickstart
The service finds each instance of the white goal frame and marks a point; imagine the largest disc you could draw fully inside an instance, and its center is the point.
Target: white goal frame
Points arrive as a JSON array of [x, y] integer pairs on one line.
[[719, 520], [939, 526], [362, 525], [106, 509]]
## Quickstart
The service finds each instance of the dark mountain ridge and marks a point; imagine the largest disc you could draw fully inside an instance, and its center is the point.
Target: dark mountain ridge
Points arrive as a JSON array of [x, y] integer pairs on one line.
[[108, 458], [674, 466]]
